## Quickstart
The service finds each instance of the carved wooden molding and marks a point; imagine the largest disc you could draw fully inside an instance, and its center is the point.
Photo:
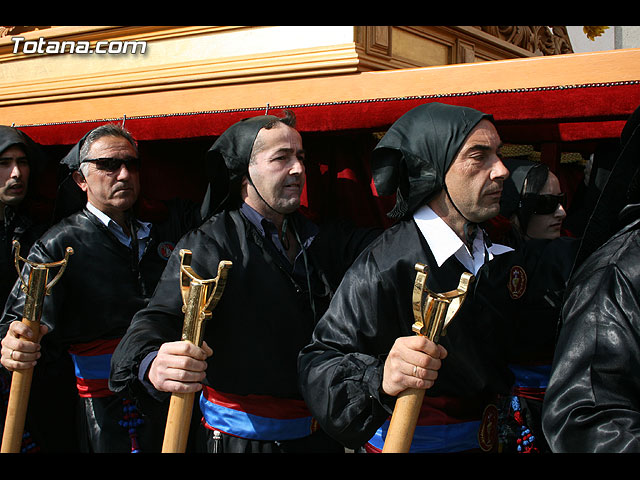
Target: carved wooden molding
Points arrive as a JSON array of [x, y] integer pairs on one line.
[[378, 40], [383, 47], [16, 30], [545, 40]]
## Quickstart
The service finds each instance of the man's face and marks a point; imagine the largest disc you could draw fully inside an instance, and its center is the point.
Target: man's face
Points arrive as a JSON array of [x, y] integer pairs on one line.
[[475, 177], [277, 170], [14, 175], [112, 192]]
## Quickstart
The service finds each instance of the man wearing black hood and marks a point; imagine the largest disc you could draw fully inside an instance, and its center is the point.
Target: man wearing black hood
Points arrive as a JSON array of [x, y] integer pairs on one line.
[[443, 162], [113, 271], [21, 159], [592, 403], [284, 271]]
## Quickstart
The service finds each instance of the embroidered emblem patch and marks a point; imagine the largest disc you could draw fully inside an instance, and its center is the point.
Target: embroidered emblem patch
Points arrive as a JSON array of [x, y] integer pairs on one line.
[[165, 249], [488, 432], [517, 282]]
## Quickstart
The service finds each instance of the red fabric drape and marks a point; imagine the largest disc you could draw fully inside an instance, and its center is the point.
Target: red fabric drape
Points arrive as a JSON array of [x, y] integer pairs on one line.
[[551, 113], [339, 138]]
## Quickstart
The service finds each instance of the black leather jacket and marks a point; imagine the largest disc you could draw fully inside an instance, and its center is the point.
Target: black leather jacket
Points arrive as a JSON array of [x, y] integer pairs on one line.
[[98, 294], [103, 285], [593, 399]]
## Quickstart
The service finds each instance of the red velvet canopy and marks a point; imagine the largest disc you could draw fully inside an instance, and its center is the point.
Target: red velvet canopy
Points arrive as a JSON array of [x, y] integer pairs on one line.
[[560, 114], [338, 139]]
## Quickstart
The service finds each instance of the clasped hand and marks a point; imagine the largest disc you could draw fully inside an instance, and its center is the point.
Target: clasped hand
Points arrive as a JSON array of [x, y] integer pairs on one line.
[[413, 362], [179, 367], [20, 350]]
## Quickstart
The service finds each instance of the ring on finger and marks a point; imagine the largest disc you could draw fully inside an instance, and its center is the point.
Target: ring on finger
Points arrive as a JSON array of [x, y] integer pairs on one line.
[[415, 370], [11, 354]]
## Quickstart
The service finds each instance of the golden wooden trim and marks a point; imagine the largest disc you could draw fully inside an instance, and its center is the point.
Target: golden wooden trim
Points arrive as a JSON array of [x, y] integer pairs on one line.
[[372, 49], [106, 32], [534, 72], [333, 60]]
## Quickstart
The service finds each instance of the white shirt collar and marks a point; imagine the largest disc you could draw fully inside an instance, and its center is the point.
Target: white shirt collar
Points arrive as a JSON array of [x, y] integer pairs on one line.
[[444, 242]]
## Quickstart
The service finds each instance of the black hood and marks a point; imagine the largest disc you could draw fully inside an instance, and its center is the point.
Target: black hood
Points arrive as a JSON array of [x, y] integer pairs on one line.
[[70, 198], [227, 162], [72, 159], [10, 136], [513, 188], [413, 157]]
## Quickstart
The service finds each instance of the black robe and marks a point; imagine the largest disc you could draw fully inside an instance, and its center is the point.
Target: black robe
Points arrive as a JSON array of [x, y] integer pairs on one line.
[[341, 370], [535, 316], [264, 316]]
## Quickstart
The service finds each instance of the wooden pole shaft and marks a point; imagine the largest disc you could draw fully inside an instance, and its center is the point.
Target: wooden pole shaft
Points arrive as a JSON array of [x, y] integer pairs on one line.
[[403, 421], [178, 421], [21, 379], [18, 402], [198, 303], [176, 431], [16, 411], [431, 319]]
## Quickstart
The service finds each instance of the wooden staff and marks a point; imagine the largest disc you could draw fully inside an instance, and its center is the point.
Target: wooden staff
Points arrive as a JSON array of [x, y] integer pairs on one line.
[[197, 307], [35, 291], [431, 320]]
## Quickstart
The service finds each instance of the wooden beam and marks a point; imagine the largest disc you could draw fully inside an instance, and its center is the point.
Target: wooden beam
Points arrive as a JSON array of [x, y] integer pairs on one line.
[[217, 94]]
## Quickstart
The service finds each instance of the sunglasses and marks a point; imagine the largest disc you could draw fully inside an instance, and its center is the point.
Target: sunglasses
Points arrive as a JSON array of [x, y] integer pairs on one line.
[[114, 164], [545, 204]]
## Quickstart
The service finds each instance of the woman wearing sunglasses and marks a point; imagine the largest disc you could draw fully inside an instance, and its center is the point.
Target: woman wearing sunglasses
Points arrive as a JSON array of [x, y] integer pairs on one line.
[[534, 205], [532, 201]]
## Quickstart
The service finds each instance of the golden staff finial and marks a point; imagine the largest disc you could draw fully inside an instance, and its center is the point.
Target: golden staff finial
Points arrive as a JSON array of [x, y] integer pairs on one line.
[[432, 316]]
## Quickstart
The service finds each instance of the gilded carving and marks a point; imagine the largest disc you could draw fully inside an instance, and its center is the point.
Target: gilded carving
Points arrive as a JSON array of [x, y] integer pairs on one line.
[[543, 40]]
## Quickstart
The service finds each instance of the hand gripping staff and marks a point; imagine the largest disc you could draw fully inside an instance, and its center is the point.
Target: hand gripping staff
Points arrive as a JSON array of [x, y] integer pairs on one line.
[[199, 298], [431, 320], [35, 291]]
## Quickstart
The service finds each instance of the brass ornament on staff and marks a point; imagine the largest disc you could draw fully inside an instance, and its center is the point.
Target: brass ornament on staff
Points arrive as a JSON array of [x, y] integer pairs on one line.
[[35, 289], [199, 298], [432, 317]]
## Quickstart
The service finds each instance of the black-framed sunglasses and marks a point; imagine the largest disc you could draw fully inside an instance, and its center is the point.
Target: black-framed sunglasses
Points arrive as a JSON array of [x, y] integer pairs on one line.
[[545, 204], [114, 164]]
